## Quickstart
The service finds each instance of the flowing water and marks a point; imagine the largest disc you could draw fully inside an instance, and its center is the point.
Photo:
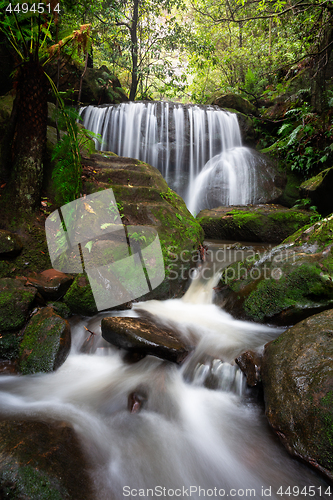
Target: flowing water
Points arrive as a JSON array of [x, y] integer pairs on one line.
[[190, 145], [199, 432]]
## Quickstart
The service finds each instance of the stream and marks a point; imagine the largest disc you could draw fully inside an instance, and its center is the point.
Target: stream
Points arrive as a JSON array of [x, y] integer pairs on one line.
[[200, 431]]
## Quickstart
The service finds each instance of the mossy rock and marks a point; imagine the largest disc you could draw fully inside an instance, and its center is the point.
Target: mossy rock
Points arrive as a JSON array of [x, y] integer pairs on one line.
[[288, 283], [144, 199], [42, 461], [10, 345], [79, 298], [10, 244], [257, 223], [297, 375], [15, 302], [319, 190], [46, 342], [237, 102]]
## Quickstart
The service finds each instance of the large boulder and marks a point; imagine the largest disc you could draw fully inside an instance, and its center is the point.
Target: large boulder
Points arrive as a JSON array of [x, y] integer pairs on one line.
[[263, 223], [143, 201], [15, 302], [42, 460], [51, 284], [290, 282], [46, 342], [297, 375], [255, 179], [237, 102], [142, 337], [10, 244], [319, 190]]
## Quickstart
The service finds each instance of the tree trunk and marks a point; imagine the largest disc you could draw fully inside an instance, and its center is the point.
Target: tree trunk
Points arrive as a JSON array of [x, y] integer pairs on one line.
[[318, 81], [29, 141], [134, 50]]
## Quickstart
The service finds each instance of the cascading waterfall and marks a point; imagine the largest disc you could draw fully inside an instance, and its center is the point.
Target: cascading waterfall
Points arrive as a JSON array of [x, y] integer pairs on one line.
[[197, 435], [198, 149]]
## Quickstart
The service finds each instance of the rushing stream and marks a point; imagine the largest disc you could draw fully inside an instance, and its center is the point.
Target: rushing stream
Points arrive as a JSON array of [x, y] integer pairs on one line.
[[200, 432]]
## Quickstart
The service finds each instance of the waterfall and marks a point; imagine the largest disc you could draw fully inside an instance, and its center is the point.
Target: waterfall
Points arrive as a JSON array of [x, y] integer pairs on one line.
[[197, 435], [198, 149]]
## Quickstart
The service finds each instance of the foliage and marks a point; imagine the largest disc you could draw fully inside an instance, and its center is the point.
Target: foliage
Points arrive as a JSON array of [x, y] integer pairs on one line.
[[67, 156], [305, 141]]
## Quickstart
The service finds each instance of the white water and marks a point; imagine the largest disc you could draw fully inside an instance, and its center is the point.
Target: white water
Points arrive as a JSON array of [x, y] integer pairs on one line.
[[186, 435], [179, 140]]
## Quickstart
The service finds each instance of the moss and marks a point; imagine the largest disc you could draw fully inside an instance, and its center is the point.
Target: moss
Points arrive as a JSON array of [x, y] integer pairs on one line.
[[295, 289], [9, 345], [60, 308], [41, 342], [25, 481], [13, 307], [79, 297]]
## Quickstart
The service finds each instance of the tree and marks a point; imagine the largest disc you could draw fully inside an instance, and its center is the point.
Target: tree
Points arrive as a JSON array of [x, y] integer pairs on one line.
[[24, 145], [300, 30]]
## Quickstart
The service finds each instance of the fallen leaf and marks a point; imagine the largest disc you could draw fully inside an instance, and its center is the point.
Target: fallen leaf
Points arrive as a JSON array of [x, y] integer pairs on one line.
[[88, 208], [3, 185]]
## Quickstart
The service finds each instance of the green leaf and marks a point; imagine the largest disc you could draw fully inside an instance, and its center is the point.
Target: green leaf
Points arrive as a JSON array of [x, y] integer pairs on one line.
[[89, 245]]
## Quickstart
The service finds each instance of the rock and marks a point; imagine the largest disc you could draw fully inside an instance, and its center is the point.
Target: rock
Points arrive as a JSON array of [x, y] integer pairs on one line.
[[46, 342], [15, 302], [51, 284], [264, 223], [237, 102], [289, 283], [9, 345], [60, 308], [79, 298], [250, 363], [319, 190], [142, 336], [10, 244], [143, 201], [8, 367], [266, 181], [297, 375], [99, 85], [42, 461]]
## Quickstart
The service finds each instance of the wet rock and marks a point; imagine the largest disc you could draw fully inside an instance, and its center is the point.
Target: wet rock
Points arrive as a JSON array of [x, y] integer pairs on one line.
[[42, 461], [319, 190], [142, 336], [237, 102], [249, 362], [60, 308], [285, 285], [79, 298], [144, 199], [10, 244], [8, 367], [9, 345], [46, 342], [262, 223], [15, 302], [51, 284], [297, 374], [267, 182]]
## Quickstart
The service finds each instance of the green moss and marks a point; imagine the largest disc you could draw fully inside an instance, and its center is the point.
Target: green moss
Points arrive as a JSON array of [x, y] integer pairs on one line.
[[13, 308], [79, 297], [41, 342], [295, 289], [25, 481], [9, 345]]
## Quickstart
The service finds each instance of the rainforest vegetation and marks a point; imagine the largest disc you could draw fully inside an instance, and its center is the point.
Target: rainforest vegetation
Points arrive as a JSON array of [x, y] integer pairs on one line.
[[269, 52]]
